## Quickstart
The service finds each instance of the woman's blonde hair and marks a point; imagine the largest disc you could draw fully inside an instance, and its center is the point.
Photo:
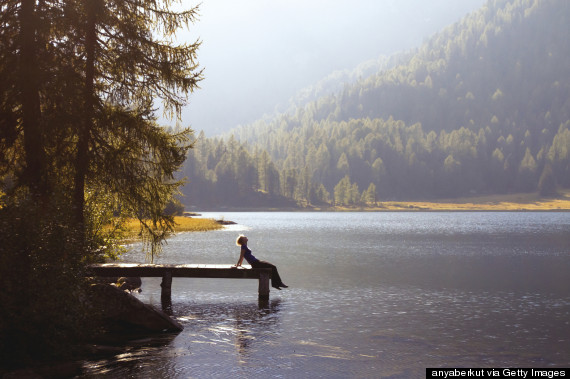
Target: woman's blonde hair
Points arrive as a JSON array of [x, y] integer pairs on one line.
[[240, 240]]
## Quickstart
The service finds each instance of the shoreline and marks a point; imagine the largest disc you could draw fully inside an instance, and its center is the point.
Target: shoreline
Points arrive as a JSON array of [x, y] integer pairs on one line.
[[527, 202], [379, 210]]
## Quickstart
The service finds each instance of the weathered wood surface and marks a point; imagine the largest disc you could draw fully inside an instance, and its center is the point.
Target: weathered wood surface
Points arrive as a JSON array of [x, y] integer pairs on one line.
[[167, 272], [177, 271]]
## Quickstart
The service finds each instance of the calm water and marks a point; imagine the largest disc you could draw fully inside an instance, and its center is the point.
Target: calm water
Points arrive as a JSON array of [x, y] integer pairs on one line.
[[372, 295]]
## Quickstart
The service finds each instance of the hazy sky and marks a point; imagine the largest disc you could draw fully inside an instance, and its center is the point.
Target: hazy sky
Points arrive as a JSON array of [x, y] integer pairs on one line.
[[259, 53]]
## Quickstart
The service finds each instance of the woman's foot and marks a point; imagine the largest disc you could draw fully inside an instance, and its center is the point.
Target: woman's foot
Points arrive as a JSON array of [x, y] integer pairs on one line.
[[277, 288], [283, 285]]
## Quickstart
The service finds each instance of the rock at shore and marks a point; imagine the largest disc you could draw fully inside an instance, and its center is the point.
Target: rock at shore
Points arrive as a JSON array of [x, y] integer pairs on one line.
[[130, 283], [124, 311], [226, 222]]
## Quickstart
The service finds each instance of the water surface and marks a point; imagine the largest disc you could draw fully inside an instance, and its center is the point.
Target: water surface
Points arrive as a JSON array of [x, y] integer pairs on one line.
[[371, 295]]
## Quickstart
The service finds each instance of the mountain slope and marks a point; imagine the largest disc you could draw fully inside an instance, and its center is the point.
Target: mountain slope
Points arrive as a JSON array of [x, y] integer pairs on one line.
[[508, 60], [482, 107]]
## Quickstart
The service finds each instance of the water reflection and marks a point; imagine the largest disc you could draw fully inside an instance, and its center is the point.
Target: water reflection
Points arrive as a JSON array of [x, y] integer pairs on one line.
[[124, 356], [244, 327], [216, 336], [166, 303], [262, 304]]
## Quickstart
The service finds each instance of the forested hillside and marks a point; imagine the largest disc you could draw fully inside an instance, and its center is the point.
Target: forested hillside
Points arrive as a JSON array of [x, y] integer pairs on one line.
[[482, 107]]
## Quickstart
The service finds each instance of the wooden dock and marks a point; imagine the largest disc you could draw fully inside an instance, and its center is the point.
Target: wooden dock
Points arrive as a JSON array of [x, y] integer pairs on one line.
[[167, 272]]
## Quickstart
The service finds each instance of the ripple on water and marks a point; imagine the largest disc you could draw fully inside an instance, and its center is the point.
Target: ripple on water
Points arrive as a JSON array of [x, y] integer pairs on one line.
[[372, 295]]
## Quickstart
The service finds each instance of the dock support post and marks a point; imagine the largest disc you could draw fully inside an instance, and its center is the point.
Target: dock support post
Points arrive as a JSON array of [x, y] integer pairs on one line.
[[263, 289], [165, 294]]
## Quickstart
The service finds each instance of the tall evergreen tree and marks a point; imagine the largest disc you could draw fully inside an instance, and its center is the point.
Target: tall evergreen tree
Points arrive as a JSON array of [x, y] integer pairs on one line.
[[78, 131], [128, 64]]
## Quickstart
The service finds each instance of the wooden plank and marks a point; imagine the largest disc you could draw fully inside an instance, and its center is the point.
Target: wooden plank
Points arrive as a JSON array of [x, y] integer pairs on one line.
[[263, 289], [179, 271], [167, 272], [166, 282], [166, 288]]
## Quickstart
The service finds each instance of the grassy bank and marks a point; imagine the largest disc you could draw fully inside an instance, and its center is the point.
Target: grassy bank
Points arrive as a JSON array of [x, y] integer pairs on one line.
[[511, 202], [183, 224]]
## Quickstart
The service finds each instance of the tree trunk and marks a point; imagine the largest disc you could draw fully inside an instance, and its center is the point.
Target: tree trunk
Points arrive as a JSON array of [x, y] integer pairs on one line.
[[82, 159], [34, 175]]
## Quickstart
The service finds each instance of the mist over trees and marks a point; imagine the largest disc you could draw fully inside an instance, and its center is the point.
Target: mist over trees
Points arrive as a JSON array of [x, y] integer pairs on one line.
[[483, 107]]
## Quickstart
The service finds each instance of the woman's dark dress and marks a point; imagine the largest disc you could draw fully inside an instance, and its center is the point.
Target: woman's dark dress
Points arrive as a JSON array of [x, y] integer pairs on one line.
[[256, 263]]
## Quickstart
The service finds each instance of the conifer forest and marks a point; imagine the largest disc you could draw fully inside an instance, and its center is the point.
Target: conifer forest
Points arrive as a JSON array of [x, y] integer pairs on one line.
[[482, 107]]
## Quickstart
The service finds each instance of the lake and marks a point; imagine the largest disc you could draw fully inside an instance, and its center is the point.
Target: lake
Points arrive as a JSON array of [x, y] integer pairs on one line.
[[372, 295]]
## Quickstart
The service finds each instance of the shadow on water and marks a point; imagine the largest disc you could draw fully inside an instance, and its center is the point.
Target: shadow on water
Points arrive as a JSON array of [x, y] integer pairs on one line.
[[216, 336]]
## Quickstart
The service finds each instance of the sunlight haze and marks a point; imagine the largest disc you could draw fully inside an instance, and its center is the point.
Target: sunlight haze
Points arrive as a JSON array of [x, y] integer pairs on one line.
[[258, 54]]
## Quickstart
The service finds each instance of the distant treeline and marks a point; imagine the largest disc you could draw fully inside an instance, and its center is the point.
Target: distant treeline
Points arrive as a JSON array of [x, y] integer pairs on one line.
[[482, 107]]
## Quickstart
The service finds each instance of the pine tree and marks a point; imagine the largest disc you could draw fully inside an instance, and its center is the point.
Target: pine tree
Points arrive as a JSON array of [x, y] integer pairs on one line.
[[369, 196], [343, 192], [547, 182], [82, 103], [135, 66]]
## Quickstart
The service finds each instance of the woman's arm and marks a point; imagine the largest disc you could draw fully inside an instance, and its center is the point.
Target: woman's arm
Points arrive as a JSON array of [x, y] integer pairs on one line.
[[240, 260]]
